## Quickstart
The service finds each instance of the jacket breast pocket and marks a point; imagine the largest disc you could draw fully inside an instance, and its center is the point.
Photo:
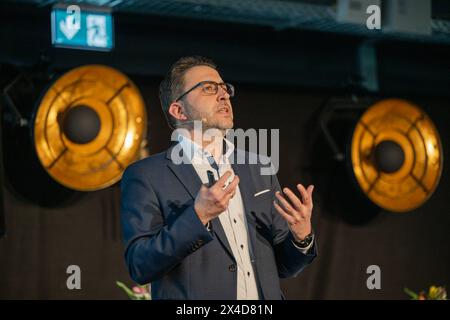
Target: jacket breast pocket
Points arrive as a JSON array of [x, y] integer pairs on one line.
[[264, 196]]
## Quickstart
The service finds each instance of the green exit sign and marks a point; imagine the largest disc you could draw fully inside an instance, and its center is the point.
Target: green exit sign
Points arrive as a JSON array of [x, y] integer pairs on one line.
[[82, 27]]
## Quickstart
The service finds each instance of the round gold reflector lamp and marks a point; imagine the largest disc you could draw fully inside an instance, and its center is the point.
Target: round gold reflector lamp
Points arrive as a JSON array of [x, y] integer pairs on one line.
[[396, 155], [89, 126]]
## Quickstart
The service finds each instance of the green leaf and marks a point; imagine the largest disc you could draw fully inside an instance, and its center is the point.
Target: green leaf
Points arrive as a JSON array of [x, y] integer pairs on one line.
[[129, 292], [411, 293]]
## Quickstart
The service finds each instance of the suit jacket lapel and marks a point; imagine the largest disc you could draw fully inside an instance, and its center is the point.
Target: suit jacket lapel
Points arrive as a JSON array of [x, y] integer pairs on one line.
[[189, 178], [185, 173]]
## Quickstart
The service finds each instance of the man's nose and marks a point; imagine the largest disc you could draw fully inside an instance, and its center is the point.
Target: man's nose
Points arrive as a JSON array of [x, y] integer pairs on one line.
[[223, 94]]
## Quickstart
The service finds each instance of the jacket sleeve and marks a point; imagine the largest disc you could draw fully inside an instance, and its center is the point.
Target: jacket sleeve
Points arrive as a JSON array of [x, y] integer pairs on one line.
[[290, 260], [153, 247]]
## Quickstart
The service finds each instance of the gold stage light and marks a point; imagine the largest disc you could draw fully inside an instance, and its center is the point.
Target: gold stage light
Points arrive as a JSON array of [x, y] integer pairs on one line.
[[396, 155], [89, 126]]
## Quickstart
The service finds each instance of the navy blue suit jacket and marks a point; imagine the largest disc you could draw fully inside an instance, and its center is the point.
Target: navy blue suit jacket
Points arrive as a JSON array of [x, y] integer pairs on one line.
[[167, 245]]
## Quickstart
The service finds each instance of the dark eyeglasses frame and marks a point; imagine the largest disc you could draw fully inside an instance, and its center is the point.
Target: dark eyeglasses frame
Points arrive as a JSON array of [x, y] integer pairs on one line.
[[229, 88]]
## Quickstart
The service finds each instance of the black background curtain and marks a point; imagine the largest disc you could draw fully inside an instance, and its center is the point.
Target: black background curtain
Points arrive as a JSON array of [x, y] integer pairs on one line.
[[410, 248], [283, 78]]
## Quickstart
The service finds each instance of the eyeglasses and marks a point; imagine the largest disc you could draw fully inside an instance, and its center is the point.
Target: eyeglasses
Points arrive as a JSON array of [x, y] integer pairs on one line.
[[210, 88]]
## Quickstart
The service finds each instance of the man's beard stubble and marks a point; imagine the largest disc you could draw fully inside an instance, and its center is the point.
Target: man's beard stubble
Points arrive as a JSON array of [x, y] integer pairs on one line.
[[206, 124]]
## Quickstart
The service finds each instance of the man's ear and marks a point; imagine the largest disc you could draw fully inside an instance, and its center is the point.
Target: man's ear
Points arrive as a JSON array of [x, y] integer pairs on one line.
[[176, 110]]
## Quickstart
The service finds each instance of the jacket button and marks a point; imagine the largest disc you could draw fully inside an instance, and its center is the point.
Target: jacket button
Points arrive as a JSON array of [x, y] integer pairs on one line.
[[232, 268]]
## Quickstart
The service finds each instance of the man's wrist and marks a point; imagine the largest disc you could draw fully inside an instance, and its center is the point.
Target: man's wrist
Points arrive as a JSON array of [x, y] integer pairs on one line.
[[199, 215], [306, 241], [300, 236]]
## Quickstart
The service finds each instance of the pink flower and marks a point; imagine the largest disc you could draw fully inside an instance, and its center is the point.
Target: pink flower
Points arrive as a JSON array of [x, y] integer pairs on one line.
[[138, 290]]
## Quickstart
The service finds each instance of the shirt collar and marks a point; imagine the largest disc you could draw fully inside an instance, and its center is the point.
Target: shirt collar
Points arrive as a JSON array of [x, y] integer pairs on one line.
[[196, 152]]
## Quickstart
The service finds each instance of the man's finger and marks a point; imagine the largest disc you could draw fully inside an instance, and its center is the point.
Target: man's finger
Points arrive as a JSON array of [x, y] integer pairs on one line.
[[310, 191], [294, 199], [230, 189], [288, 208], [222, 180], [305, 196], [283, 213], [228, 197]]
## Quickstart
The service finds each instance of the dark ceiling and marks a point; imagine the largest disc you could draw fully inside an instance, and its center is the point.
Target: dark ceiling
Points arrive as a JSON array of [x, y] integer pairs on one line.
[[316, 15]]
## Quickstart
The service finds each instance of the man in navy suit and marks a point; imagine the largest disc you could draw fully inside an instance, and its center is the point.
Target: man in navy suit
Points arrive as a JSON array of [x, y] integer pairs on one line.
[[208, 227]]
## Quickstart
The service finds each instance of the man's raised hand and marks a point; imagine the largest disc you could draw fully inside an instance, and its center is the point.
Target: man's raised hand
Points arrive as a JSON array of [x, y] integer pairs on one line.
[[210, 202]]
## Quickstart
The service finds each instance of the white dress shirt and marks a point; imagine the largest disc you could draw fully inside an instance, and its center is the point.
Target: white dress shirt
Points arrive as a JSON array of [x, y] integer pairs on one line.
[[233, 219]]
